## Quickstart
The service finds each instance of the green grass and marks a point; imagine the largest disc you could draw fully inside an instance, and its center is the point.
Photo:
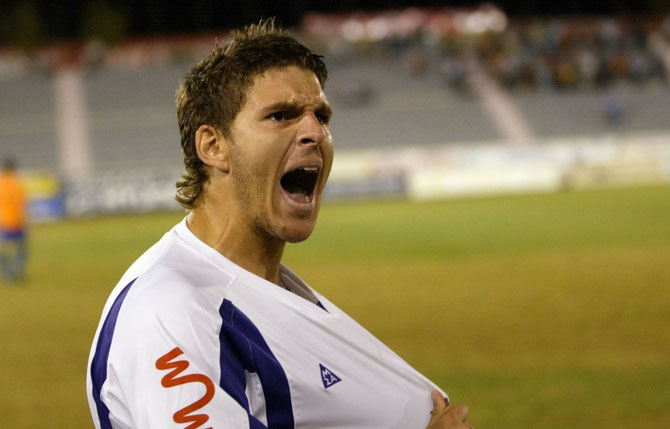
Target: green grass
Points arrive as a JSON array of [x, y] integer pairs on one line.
[[540, 311]]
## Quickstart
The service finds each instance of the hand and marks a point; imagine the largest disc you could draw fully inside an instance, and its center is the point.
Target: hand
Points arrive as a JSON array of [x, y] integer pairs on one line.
[[445, 416]]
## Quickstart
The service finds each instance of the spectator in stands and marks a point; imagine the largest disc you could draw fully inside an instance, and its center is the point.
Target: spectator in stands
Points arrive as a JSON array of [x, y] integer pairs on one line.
[[454, 72], [613, 108], [12, 223]]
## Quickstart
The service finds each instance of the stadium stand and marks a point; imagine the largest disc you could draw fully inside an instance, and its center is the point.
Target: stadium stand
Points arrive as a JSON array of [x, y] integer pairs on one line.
[[27, 121], [398, 79]]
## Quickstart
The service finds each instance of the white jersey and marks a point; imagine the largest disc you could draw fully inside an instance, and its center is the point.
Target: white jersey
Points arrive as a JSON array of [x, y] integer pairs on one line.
[[190, 340]]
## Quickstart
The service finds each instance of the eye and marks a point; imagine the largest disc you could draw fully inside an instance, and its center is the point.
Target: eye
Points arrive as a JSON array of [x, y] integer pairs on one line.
[[322, 118], [279, 116]]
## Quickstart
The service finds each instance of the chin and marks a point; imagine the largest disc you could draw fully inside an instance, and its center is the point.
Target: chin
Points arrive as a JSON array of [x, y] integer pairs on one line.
[[297, 237], [296, 234]]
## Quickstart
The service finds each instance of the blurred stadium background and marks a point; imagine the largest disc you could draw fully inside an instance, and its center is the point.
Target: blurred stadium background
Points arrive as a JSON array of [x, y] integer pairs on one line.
[[510, 163]]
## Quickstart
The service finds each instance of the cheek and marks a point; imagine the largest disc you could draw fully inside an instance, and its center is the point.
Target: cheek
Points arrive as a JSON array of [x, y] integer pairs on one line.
[[327, 152], [258, 159]]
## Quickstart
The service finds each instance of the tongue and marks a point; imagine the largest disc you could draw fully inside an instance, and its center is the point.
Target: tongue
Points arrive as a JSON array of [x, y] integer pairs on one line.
[[297, 195]]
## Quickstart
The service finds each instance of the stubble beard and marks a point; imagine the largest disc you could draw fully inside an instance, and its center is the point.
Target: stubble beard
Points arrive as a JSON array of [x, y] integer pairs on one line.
[[253, 210]]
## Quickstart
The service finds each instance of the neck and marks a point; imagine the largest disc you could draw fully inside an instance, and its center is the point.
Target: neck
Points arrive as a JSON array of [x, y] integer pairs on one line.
[[237, 241]]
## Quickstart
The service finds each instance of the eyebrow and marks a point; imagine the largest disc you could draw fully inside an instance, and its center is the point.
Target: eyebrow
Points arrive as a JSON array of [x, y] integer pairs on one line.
[[322, 107]]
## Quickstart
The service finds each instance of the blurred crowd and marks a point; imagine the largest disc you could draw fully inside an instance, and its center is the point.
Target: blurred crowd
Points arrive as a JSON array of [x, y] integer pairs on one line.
[[541, 53], [565, 54]]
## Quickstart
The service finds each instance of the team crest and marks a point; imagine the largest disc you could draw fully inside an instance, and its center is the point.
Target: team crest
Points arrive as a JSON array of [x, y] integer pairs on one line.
[[328, 377]]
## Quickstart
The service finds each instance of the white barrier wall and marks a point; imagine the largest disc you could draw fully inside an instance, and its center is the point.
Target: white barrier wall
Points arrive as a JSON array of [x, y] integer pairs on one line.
[[491, 168], [420, 173]]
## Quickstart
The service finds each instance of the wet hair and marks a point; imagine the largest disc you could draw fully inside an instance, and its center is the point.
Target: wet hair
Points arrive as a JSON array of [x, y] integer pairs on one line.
[[214, 90]]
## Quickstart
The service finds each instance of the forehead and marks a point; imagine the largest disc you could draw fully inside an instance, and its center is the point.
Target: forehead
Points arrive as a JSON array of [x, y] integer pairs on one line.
[[291, 84]]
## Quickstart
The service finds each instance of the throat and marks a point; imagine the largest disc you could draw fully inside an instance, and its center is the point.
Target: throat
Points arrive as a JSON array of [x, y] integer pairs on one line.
[[264, 265], [248, 246], [260, 255]]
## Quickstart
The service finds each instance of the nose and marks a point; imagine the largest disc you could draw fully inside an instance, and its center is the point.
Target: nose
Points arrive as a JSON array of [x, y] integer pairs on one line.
[[311, 130]]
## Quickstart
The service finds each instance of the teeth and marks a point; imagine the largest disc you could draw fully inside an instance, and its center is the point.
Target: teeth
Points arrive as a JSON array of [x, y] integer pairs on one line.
[[311, 169], [308, 197]]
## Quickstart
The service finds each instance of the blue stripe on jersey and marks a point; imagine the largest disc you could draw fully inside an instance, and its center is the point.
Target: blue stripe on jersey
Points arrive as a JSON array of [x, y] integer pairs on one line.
[[99, 363], [243, 348]]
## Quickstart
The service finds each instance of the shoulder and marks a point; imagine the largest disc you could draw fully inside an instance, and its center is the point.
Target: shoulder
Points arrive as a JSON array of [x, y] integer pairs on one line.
[[170, 290], [171, 270], [161, 310], [168, 295]]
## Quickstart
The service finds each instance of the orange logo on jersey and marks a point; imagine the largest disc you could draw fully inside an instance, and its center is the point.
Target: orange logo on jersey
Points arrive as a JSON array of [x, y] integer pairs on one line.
[[173, 379]]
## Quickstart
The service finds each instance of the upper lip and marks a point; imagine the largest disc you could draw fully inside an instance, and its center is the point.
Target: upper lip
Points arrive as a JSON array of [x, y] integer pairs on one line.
[[305, 163]]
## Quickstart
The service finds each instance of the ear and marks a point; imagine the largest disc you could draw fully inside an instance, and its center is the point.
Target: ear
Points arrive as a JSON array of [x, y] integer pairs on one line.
[[212, 148]]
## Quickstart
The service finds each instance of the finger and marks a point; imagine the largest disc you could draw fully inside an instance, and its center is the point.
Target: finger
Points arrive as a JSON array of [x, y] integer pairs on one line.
[[458, 412], [439, 404]]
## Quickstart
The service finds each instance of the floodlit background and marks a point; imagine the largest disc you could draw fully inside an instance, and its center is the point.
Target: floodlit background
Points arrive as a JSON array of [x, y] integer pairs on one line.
[[497, 212]]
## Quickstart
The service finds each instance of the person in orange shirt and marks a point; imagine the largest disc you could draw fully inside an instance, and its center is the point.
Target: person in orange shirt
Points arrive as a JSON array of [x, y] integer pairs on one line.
[[12, 223]]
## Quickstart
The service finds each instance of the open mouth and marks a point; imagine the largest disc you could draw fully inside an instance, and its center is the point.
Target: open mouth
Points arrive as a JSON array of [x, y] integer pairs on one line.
[[299, 184]]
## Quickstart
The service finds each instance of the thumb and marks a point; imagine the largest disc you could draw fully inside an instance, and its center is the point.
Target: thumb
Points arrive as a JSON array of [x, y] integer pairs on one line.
[[439, 404]]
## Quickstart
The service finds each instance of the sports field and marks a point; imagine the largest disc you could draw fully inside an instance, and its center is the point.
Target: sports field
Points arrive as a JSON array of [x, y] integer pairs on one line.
[[538, 311]]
